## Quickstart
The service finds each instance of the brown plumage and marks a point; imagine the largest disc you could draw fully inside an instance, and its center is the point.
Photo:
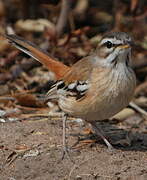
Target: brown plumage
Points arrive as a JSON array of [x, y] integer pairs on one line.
[[96, 87]]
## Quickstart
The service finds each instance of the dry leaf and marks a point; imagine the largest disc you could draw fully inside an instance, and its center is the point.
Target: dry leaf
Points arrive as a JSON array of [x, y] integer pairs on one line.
[[29, 100], [30, 25]]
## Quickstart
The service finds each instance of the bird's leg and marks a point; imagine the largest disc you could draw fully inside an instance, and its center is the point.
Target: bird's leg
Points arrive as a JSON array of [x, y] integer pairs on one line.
[[65, 148], [99, 132]]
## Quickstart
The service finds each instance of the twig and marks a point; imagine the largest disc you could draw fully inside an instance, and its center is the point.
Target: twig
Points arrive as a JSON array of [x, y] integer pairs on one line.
[[7, 98], [65, 7], [137, 108]]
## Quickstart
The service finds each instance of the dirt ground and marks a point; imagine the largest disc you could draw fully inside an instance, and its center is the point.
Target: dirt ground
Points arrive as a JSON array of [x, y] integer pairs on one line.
[[32, 149]]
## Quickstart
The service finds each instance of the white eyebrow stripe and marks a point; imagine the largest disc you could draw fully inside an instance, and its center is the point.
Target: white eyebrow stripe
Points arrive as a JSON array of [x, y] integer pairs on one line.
[[112, 40]]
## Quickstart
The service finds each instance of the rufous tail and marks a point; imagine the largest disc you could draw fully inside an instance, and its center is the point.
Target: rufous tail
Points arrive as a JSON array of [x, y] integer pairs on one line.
[[58, 68]]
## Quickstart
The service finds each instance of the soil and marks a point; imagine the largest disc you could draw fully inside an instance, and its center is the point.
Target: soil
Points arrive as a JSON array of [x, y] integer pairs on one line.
[[32, 149]]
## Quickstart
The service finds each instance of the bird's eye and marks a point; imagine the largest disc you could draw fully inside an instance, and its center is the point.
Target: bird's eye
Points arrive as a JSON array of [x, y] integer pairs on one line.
[[109, 44]]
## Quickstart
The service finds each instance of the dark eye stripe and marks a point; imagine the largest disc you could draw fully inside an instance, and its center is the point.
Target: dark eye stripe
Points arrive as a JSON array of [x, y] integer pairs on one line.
[[114, 45]]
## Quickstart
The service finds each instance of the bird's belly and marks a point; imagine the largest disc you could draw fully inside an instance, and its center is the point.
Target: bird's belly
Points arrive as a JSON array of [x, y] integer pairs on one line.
[[112, 101], [96, 108], [106, 109], [102, 101]]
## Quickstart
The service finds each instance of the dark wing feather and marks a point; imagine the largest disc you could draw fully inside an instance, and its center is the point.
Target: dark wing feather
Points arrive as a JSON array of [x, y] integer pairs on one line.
[[75, 83]]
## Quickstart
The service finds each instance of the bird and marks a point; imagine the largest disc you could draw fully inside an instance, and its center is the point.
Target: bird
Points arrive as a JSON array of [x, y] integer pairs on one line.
[[97, 86]]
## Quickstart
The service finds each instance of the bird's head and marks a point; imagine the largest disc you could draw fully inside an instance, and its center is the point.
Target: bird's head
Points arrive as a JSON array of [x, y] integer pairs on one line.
[[115, 47]]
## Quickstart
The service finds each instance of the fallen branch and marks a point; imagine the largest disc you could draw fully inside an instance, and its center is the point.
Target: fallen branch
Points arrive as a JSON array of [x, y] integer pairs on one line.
[[138, 109], [62, 21]]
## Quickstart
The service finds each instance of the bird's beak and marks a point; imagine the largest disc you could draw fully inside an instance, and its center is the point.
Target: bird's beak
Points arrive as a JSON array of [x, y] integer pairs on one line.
[[126, 46]]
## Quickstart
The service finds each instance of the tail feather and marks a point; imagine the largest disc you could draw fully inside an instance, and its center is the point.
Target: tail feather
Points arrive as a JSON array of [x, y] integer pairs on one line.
[[40, 55]]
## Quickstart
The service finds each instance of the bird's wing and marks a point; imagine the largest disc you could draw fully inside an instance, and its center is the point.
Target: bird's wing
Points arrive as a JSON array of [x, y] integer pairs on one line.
[[75, 83]]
